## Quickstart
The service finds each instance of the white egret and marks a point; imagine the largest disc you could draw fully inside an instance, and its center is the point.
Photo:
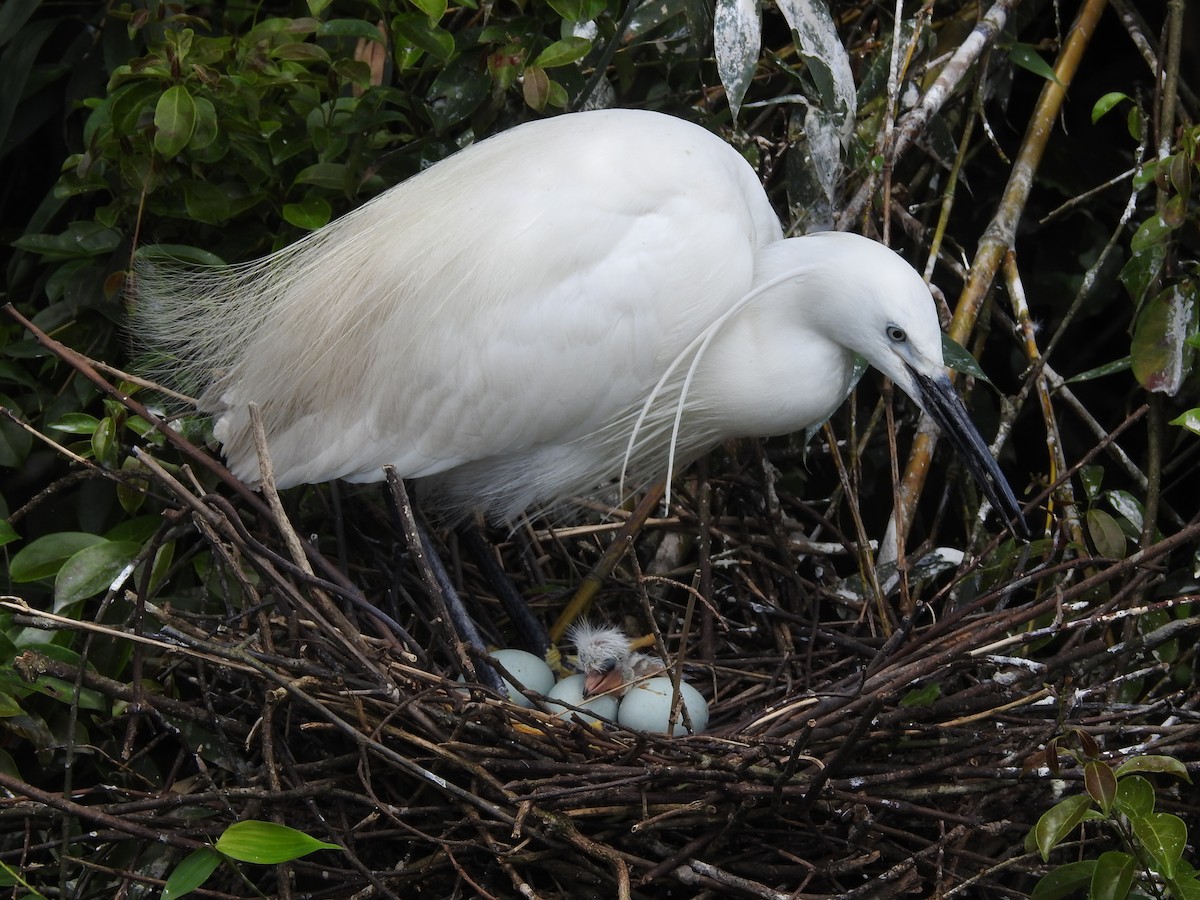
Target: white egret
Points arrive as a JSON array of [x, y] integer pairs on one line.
[[580, 298]]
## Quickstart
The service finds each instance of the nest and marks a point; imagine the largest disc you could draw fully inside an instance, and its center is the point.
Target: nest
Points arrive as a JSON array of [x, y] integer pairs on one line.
[[857, 747]]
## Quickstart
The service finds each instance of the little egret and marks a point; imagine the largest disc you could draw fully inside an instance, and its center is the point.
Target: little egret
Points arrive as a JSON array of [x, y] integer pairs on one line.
[[607, 659], [597, 296]]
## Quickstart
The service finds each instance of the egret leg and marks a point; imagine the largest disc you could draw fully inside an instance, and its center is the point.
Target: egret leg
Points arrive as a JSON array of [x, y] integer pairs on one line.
[[581, 602], [530, 630], [450, 606]]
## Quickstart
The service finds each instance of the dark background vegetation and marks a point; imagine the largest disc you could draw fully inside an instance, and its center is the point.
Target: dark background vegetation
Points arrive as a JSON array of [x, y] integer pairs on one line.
[[106, 743]]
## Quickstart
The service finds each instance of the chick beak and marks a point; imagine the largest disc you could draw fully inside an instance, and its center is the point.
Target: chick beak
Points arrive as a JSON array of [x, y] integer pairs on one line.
[[603, 680]]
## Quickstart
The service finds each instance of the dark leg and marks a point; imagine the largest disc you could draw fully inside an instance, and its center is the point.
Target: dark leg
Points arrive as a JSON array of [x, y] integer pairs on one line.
[[530, 631], [449, 605]]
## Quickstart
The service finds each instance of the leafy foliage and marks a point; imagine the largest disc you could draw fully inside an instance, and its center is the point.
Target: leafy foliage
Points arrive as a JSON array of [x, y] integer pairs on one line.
[[1122, 799], [169, 670], [1166, 294]]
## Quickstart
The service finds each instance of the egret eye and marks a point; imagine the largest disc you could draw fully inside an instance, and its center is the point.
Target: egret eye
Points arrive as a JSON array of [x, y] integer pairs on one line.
[[896, 334]]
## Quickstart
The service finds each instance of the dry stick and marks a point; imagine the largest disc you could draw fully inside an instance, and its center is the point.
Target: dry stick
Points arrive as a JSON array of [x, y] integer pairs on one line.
[[953, 179], [708, 646], [227, 522], [363, 741], [697, 873], [1000, 236], [1058, 462], [955, 645], [30, 664], [893, 102], [119, 824], [593, 581], [867, 570], [292, 540], [1138, 28], [1165, 127], [915, 122], [1067, 396]]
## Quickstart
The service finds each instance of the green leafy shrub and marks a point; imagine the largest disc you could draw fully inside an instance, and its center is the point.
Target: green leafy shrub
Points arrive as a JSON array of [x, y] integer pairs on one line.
[[1121, 800]]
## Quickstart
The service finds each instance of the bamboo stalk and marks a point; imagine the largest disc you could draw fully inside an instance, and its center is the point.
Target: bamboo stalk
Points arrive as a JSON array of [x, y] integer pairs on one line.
[[998, 239]]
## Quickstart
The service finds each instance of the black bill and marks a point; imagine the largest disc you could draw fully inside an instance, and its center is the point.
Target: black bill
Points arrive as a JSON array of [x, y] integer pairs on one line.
[[943, 405]]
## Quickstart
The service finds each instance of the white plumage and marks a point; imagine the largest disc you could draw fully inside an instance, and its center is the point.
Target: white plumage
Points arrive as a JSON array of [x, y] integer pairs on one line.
[[579, 298]]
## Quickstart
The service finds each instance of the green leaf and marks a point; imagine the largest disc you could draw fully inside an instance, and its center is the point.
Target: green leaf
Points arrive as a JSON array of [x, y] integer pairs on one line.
[[1106, 535], [1161, 358], [568, 10], [1127, 506], [171, 254], [81, 240], [1185, 885], [557, 95], [104, 443], [8, 534], [75, 423], [1065, 880], [1118, 365], [564, 52], [1059, 821], [1135, 795], [1092, 478], [458, 91], [923, 696], [1113, 876], [174, 121], [92, 570], [43, 557], [9, 706], [207, 128], [351, 28], [326, 175], [415, 29], [1167, 765], [1025, 56], [131, 489], [206, 202], [68, 692], [191, 873], [1142, 271], [1189, 420], [1154, 231], [957, 357], [1163, 835], [434, 9], [310, 213], [1106, 103], [267, 843]]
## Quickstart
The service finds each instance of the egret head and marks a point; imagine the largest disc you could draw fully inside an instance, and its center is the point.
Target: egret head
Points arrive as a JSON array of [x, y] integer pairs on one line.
[[892, 323], [603, 652], [607, 659]]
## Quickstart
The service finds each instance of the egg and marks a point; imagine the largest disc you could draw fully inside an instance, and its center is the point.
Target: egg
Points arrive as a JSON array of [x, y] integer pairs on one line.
[[570, 690], [647, 707], [531, 671]]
